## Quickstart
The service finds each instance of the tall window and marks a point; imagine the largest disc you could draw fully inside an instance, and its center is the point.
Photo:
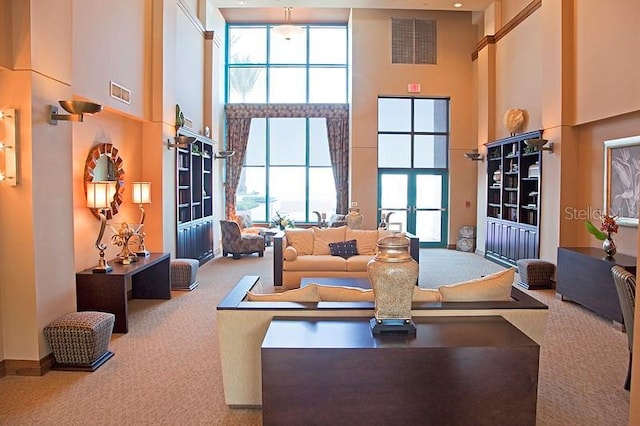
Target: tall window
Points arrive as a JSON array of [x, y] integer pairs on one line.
[[287, 166]]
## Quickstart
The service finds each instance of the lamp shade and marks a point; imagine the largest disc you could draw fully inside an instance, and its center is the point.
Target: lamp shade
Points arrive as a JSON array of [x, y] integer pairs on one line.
[[100, 194], [141, 192]]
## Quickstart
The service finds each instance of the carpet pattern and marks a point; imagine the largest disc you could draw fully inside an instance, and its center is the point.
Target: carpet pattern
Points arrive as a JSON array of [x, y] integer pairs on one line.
[[166, 370]]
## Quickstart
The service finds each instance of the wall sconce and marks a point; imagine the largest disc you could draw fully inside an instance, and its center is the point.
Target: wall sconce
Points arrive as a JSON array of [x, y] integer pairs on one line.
[[223, 155], [99, 196], [474, 155], [181, 142], [8, 147], [141, 194], [539, 144], [76, 110]]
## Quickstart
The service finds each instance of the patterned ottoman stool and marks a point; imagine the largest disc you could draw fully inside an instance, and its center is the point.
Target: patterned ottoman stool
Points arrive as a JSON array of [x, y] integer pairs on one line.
[[80, 340], [183, 274], [535, 273]]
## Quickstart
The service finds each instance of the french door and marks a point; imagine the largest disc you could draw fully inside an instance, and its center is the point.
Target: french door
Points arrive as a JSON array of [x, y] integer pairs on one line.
[[415, 201]]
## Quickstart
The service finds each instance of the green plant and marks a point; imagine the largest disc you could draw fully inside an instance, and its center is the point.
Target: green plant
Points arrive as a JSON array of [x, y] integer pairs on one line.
[[608, 227]]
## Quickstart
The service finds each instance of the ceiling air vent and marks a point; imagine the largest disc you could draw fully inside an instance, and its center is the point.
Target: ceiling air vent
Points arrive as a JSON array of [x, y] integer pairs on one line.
[[413, 41], [120, 93]]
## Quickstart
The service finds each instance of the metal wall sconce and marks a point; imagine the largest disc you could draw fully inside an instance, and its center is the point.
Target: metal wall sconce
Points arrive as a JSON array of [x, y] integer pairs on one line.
[[181, 142], [76, 110], [141, 194], [223, 155], [539, 144], [8, 147], [474, 155]]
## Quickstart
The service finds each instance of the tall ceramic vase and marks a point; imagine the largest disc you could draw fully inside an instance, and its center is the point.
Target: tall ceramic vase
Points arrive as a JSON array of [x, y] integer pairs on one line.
[[609, 246], [393, 274]]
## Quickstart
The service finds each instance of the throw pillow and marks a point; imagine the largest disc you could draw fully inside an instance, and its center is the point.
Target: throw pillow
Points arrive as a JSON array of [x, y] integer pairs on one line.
[[493, 287], [308, 293], [338, 293], [322, 238], [244, 220], [301, 240], [344, 249], [290, 253], [366, 239]]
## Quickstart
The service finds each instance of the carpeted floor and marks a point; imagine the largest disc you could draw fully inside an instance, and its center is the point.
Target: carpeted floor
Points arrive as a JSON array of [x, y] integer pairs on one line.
[[166, 370]]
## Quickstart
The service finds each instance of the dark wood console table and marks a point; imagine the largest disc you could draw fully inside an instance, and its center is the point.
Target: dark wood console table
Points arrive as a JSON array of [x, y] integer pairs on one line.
[[584, 277], [108, 292], [455, 370]]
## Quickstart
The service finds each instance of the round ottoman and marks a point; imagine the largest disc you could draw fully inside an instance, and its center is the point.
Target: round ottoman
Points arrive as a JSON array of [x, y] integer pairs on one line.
[[80, 340], [535, 273], [183, 274]]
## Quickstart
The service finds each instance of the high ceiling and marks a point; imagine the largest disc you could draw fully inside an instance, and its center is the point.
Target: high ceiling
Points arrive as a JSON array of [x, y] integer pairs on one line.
[[323, 11]]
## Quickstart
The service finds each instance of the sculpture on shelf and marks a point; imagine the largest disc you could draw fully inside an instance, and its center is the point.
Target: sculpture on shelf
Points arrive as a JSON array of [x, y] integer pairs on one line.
[[121, 238], [393, 274]]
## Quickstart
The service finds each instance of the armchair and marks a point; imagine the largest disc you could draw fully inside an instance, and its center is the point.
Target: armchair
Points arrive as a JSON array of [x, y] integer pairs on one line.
[[237, 243], [625, 283], [246, 224]]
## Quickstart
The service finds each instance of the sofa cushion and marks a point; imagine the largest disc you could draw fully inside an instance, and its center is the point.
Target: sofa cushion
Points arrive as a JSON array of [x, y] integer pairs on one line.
[[323, 236], [290, 253], [358, 263], [244, 220], [493, 287], [308, 293], [301, 239], [316, 263], [344, 249], [338, 293], [366, 240], [426, 295]]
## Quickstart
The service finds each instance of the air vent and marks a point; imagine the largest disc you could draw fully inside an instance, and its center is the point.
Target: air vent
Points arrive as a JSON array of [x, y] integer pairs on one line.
[[413, 41], [120, 93]]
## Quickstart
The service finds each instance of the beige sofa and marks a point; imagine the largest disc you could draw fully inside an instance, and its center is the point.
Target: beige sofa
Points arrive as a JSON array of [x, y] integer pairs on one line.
[[242, 323], [305, 252]]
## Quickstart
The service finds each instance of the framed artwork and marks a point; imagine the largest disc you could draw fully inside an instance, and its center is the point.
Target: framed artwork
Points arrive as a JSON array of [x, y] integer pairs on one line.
[[622, 179]]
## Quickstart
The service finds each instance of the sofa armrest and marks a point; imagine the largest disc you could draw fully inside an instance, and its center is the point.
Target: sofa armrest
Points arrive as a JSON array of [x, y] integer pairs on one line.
[[279, 244]]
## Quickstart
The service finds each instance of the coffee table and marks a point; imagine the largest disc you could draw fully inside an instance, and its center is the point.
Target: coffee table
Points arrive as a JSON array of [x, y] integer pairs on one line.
[[345, 282]]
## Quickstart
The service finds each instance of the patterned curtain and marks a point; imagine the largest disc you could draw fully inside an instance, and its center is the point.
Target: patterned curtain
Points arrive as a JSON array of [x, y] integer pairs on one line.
[[238, 122], [338, 133], [237, 138]]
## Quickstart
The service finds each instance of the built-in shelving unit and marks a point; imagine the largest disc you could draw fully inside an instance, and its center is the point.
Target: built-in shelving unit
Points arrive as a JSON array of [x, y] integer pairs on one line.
[[513, 202], [194, 198]]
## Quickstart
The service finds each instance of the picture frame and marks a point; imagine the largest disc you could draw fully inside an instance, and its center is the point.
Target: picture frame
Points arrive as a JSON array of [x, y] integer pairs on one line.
[[622, 179]]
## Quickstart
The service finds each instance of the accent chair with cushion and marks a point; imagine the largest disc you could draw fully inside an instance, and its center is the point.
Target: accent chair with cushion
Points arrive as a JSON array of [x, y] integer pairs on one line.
[[246, 224], [237, 243], [625, 283]]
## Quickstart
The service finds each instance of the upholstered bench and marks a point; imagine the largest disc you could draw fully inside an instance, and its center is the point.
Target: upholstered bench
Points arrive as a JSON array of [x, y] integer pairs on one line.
[[183, 274], [535, 273], [80, 340]]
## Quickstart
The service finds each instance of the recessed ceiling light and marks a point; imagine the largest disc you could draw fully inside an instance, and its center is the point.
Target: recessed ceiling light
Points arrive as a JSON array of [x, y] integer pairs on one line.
[[458, 5]]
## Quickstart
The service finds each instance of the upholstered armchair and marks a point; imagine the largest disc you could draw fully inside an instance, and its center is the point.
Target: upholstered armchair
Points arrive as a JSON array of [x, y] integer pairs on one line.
[[237, 243], [625, 283], [246, 224]]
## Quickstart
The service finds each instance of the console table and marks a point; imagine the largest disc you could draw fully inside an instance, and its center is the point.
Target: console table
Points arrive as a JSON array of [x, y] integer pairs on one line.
[[454, 370], [108, 292], [584, 277]]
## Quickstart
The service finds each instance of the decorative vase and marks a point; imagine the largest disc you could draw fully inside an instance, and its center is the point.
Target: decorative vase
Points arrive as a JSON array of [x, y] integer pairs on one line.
[[497, 176], [609, 246], [393, 274]]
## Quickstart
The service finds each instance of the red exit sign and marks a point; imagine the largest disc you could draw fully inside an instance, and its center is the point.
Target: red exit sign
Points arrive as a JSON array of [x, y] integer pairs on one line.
[[413, 88]]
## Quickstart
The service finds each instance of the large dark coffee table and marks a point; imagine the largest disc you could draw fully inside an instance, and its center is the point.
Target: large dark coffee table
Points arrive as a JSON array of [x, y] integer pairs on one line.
[[345, 282], [453, 371]]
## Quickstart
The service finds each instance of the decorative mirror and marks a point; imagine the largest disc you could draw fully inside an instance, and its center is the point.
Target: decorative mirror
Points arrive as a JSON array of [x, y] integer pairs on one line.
[[104, 164]]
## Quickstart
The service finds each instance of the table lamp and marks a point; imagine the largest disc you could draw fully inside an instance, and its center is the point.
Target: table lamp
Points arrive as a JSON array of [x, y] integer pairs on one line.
[[99, 196], [141, 194]]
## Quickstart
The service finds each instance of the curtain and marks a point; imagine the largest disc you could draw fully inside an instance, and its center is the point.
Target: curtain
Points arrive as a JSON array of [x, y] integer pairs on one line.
[[239, 117]]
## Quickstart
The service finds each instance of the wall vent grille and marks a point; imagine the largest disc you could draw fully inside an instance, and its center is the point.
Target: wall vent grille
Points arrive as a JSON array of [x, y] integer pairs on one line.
[[413, 41], [120, 93]]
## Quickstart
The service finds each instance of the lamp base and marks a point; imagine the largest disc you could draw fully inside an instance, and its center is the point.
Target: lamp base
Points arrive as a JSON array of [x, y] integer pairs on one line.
[[392, 325], [102, 269]]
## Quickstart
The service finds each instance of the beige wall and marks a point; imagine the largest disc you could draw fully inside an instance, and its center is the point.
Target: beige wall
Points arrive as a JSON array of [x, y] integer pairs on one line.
[[374, 75]]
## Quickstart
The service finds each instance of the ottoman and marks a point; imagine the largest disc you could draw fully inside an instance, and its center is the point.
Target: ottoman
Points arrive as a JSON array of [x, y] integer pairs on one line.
[[535, 273], [80, 340], [183, 274]]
